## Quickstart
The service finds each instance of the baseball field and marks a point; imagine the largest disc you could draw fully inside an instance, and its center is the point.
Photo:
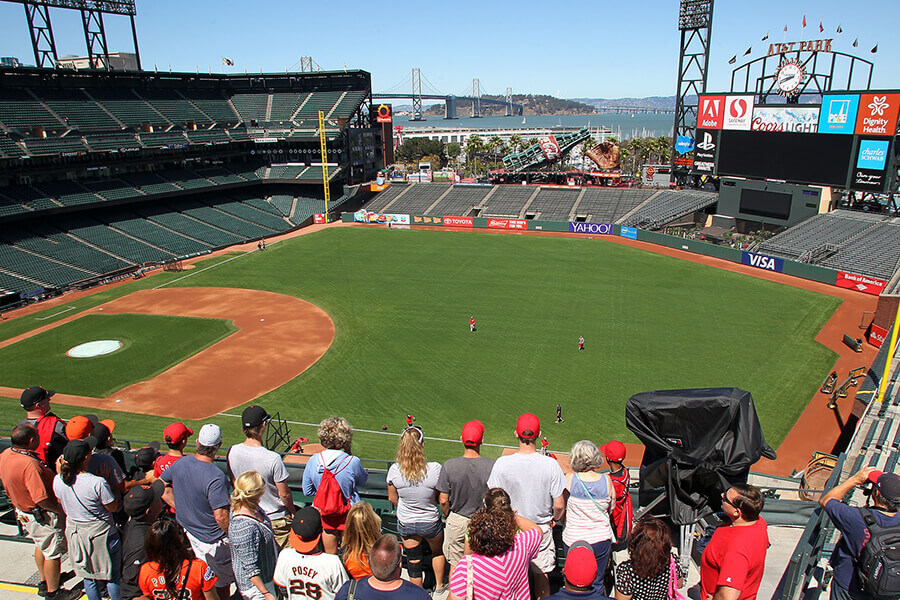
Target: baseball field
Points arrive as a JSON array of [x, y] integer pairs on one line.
[[399, 302]]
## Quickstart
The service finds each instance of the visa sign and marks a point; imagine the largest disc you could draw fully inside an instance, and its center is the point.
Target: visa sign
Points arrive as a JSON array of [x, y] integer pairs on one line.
[[761, 261]]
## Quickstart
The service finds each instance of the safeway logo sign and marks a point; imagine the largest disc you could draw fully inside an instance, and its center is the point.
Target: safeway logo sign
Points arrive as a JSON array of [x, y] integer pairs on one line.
[[710, 112], [878, 114], [738, 112]]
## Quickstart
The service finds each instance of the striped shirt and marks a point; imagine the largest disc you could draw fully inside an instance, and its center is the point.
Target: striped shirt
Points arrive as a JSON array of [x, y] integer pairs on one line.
[[584, 521], [503, 577], [253, 550]]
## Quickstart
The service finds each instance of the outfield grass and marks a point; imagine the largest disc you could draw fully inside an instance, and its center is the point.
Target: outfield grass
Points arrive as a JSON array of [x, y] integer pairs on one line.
[[401, 302], [151, 344]]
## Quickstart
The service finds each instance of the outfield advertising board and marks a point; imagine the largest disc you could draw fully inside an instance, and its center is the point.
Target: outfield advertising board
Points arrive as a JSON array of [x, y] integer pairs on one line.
[[318, 218], [628, 232], [595, 228], [761, 261], [458, 222], [861, 283], [877, 335], [367, 216], [838, 114], [507, 223], [424, 220]]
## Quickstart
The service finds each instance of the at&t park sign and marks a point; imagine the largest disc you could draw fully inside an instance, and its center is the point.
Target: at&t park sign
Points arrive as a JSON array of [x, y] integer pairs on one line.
[[809, 46]]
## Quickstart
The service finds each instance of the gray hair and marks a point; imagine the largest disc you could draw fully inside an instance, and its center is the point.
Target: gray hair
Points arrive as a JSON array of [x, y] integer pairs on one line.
[[585, 456]]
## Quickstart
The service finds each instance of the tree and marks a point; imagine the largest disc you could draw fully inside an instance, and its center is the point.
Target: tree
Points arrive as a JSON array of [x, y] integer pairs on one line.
[[494, 145], [413, 149], [515, 142], [474, 145], [453, 150]]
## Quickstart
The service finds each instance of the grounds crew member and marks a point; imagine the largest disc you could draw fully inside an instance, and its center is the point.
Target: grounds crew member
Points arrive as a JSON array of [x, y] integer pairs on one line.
[[849, 520]]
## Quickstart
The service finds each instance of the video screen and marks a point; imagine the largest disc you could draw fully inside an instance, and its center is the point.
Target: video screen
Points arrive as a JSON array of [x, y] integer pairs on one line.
[[761, 203]]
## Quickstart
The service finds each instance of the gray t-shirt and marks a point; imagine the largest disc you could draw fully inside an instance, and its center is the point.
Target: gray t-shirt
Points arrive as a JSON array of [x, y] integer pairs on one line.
[[242, 458], [417, 500], [84, 500], [465, 479], [532, 482]]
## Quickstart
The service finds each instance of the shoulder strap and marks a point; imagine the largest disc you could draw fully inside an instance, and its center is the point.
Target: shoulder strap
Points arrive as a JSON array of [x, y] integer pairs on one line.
[[584, 487], [228, 463], [867, 516], [337, 462], [186, 575], [351, 593], [93, 514]]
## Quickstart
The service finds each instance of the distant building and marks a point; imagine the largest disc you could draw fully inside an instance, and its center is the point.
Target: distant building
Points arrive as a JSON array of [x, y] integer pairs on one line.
[[9, 61], [118, 61]]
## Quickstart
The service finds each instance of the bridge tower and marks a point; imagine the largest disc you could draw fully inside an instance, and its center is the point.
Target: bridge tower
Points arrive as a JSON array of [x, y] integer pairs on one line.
[[695, 24], [417, 94], [476, 95], [307, 64], [509, 109]]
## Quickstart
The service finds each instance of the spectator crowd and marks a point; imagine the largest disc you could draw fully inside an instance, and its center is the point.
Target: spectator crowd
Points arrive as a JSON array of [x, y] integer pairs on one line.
[[177, 526]]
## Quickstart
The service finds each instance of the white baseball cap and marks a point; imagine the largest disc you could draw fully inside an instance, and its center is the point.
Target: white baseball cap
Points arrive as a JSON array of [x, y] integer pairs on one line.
[[210, 435]]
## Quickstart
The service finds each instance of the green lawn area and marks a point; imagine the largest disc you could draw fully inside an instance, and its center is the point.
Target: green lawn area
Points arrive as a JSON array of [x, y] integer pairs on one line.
[[151, 344], [401, 301]]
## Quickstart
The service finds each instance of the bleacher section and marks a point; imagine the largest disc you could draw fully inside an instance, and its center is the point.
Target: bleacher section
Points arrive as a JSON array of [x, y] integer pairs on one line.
[[128, 108], [608, 205], [461, 199], [187, 226], [669, 205], [507, 201], [223, 220], [877, 255], [834, 228], [79, 112], [150, 232], [10, 284], [418, 198], [554, 204], [175, 108], [98, 234], [52, 243]]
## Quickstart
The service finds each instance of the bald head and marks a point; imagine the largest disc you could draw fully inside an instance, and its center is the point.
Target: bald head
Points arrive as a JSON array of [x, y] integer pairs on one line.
[[385, 557]]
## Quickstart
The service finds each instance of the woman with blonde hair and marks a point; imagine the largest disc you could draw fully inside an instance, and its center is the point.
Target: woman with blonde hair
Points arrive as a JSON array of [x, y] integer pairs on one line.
[[253, 549], [363, 528], [336, 435], [591, 497], [412, 484]]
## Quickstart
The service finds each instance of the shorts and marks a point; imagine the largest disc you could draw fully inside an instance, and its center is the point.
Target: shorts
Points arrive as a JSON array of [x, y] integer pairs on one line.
[[281, 528], [455, 537], [216, 555], [546, 558], [49, 537], [334, 524], [429, 531]]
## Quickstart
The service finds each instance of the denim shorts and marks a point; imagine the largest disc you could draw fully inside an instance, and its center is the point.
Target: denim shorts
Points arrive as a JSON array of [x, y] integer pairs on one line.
[[429, 531]]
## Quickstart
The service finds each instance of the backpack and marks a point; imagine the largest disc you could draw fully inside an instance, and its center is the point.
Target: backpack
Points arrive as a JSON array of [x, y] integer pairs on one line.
[[878, 567], [329, 498]]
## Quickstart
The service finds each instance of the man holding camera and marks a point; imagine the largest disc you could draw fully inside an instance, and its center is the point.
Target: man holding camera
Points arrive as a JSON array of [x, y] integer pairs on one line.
[[28, 483], [850, 521]]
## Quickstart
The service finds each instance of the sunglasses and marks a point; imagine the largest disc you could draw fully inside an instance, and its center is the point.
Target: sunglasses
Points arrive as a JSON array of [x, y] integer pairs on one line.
[[727, 501]]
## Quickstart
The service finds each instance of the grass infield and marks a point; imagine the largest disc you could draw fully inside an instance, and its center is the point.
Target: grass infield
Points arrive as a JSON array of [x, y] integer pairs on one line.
[[151, 344], [401, 301]]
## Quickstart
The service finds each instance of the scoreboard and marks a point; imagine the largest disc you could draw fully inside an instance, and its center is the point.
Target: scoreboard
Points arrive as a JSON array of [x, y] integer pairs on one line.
[[848, 141]]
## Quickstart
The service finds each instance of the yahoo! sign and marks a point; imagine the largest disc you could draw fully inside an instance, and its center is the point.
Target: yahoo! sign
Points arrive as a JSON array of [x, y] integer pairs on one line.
[[595, 228]]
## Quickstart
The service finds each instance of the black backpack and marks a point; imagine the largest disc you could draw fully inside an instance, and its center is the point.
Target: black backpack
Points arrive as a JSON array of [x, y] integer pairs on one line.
[[878, 567]]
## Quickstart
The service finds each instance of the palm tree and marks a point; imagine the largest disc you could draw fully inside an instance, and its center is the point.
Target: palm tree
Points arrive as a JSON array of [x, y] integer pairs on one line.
[[515, 142], [494, 145]]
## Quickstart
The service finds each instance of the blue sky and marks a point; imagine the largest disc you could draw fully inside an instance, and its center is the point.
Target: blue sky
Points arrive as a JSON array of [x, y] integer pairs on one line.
[[573, 49]]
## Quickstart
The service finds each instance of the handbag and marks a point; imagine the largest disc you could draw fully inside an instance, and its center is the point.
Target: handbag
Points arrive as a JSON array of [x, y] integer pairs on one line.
[[674, 594]]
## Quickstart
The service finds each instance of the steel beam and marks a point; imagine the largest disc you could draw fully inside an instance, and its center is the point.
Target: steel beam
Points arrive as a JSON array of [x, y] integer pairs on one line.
[[38, 16]]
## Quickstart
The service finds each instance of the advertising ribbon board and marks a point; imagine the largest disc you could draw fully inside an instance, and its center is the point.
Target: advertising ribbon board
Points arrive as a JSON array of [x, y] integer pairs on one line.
[[507, 223], [423, 220], [794, 119], [458, 222], [867, 285], [761, 261], [877, 335], [594, 228], [628, 232]]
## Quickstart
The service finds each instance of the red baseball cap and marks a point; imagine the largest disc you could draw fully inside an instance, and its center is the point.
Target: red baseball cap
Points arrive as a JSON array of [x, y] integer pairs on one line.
[[581, 565], [177, 432], [473, 433], [614, 451], [528, 426]]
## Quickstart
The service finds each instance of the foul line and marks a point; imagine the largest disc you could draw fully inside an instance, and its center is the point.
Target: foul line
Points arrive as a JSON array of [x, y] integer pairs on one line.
[[162, 285], [54, 315], [436, 439]]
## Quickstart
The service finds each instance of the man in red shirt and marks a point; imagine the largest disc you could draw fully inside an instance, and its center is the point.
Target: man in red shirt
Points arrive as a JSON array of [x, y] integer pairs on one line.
[[732, 564], [471, 323], [622, 513]]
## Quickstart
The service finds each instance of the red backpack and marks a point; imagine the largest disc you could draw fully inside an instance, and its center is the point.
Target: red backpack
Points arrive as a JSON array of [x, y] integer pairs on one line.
[[329, 498]]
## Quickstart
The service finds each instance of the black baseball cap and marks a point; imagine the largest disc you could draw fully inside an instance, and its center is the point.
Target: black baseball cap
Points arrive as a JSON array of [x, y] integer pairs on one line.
[[306, 529], [254, 415], [34, 395], [77, 450], [139, 498], [144, 457]]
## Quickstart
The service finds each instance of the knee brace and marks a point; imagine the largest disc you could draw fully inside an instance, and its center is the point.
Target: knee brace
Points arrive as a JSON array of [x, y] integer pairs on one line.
[[414, 558]]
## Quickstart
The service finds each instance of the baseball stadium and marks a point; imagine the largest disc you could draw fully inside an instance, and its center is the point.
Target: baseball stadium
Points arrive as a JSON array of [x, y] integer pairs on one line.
[[180, 246]]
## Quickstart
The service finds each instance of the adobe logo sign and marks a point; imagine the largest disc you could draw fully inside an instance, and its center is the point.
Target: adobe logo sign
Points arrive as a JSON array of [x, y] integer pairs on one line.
[[877, 114], [738, 112], [710, 109]]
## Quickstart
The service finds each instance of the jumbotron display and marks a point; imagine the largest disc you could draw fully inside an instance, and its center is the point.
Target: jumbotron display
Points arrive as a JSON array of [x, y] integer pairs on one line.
[[845, 142]]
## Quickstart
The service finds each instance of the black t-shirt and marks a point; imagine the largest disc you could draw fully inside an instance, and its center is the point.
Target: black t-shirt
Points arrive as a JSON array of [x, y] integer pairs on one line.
[[133, 556]]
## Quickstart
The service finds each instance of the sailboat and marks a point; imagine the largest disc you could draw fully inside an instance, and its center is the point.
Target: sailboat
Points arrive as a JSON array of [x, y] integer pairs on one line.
[[523, 120]]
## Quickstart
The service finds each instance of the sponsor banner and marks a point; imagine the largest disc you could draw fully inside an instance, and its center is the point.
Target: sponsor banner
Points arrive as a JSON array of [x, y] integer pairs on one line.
[[507, 223], [877, 114], [683, 161], [397, 219], [710, 112], [705, 151], [423, 220], [852, 281], [367, 216], [319, 218], [550, 148], [788, 119], [738, 110], [868, 180], [872, 154], [628, 232], [838, 114], [595, 228], [383, 114], [761, 261], [458, 222], [684, 144], [877, 335]]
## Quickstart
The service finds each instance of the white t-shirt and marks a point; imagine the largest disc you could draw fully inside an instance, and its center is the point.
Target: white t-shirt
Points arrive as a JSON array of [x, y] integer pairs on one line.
[[418, 501], [532, 482], [309, 577], [242, 458]]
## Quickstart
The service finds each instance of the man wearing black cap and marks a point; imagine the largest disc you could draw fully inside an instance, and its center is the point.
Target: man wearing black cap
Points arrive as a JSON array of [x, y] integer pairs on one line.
[[276, 501], [849, 520], [303, 569], [51, 429], [143, 505]]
